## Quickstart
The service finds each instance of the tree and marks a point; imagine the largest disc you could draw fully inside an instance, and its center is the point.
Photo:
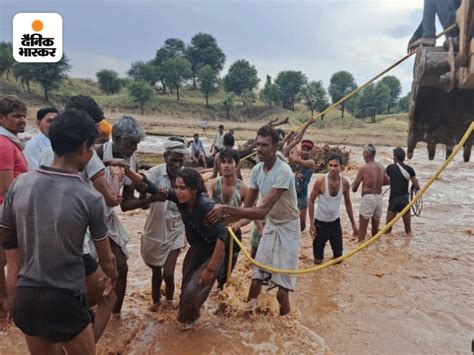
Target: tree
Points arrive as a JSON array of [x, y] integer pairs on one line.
[[6, 59], [24, 72], [242, 76], [289, 85], [341, 84], [270, 93], [109, 81], [404, 102], [173, 48], [395, 88], [207, 79], [373, 100], [146, 71], [141, 92], [314, 96], [202, 51], [228, 104], [175, 71], [50, 75], [248, 97]]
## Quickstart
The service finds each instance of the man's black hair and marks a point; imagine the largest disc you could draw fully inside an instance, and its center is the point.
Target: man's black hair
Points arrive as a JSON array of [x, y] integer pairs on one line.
[[229, 140], [195, 135], [334, 156], [267, 131], [86, 104], [44, 111], [221, 126], [70, 130], [399, 153], [229, 154]]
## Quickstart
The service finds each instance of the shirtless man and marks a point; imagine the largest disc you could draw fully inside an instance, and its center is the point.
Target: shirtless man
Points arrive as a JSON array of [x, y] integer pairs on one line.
[[372, 176]]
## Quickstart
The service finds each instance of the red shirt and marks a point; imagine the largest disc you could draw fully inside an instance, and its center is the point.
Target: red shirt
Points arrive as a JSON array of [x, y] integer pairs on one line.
[[11, 158]]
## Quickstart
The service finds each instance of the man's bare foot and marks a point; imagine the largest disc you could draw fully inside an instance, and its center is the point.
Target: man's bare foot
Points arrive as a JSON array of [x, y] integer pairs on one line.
[[408, 234], [185, 326], [251, 306], [318, 261], [154, 307]]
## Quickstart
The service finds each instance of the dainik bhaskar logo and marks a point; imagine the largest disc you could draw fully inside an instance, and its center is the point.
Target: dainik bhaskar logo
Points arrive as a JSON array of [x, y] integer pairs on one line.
[[37, 37]]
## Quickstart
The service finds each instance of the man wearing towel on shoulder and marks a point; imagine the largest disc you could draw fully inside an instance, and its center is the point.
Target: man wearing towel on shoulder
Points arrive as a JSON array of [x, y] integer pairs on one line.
[[280, 243]]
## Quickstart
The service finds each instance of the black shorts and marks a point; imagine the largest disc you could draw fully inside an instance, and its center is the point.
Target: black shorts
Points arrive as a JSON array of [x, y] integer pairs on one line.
[[57, 314], [397, 204], [90, 265]]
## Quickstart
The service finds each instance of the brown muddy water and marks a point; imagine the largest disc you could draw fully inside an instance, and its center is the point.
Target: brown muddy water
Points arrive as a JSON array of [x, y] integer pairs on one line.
[[401, 295]]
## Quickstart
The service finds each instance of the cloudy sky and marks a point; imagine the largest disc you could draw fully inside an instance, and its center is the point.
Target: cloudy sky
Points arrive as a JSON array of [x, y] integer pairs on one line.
[[317, 37]]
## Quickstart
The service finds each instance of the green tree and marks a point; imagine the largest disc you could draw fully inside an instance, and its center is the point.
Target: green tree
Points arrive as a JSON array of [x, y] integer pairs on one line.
[[172, 48], [404, 102], [242, 76], [314, 96], [228, 104], [373, 100], [395, 88], [24, 73], [270, 93], [6, 59], [146, 71], [341, 84], [248, 97], [202, 51], [207, 79], [142, 92], [109, 81], [50, 75], [176, 71], [289, 84]]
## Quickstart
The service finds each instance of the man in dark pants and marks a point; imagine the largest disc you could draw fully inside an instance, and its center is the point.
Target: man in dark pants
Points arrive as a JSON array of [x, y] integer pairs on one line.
[[426, 32], [400, 175], [327, 224]]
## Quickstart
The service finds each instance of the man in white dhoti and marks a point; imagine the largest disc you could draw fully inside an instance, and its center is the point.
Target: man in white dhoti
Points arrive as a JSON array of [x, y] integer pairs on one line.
[[163, 235], [280, 242]]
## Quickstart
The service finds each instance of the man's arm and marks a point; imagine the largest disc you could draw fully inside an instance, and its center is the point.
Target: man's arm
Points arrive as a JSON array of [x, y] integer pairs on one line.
[[13, 269], [358, 180], [109, 192], [6, 179], [348, 204], [386, 179], [307, 164], [106, 259], [253, 213], [215, 168], [312, 199], [415, 182], [210, 185], [298, 137]]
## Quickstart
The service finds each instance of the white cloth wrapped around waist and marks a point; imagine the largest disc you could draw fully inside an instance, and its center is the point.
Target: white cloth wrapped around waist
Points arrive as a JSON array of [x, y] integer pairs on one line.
[[279, 248]]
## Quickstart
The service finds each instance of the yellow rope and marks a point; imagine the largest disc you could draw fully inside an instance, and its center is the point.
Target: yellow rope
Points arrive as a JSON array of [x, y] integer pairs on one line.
[[363, 86], [375, 237], [231, 254]]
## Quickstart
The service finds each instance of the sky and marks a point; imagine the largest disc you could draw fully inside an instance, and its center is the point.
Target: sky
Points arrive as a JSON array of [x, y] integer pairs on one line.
[[317, 37]]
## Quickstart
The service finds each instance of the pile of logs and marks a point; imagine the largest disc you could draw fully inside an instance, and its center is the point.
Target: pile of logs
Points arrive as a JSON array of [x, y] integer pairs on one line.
[[321, 153]]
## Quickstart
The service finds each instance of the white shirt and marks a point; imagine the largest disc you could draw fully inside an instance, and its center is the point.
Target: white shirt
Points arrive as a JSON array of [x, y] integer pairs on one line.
[[34, 148]]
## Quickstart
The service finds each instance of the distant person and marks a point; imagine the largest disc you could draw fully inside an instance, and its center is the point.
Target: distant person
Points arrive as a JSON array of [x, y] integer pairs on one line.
[[218, 143], [45, 217], [231, 131], [372, 176], [36, 146], [400, 175], [326, 224], [303, 167], [204, 124], [198, 153], [425, 34]]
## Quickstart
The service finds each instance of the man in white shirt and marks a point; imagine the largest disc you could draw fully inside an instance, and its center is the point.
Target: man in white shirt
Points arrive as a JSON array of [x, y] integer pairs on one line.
[[35, 147], [218, 143]]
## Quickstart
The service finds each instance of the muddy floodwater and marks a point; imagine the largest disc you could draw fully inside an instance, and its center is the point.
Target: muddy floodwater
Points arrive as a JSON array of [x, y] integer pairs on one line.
[[400, 295]]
